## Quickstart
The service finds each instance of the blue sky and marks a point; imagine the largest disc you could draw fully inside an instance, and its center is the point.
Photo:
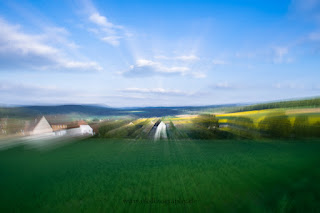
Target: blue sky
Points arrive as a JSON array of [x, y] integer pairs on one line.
[[158, 53]]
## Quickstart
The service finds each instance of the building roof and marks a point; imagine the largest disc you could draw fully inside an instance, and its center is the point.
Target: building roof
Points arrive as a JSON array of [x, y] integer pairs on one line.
[[76, 124], [30, 125]]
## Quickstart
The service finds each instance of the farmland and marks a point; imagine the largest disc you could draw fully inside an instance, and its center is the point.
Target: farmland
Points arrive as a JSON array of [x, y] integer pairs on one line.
[[259, 158], [108, 175]]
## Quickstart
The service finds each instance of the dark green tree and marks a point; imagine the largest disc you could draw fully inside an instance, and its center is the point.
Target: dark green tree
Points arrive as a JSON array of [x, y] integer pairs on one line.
[[276, 125], [207, 121], [301, 127]]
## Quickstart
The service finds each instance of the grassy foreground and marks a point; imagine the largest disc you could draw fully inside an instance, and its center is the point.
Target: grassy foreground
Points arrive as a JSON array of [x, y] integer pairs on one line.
[[97, 175]]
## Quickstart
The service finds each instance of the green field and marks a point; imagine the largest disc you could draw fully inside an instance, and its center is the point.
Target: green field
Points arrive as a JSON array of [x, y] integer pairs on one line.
[[99, 175]]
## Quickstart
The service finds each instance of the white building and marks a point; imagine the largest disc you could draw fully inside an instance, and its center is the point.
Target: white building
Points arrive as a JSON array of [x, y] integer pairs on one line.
[[61, 132], [41, 128], [86, 130], [80, 128]]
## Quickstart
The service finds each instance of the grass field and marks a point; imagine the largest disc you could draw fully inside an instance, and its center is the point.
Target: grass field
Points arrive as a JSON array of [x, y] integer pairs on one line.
[[98, 175]]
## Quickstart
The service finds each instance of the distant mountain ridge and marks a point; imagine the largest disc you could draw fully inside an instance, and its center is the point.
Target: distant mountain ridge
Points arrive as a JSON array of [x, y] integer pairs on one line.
[[98, 110], [101, 110]]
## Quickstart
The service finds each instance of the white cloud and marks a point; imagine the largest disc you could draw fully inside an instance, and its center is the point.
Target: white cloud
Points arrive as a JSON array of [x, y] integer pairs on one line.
[[181, 70], [222, 85], [144, 62], [59, 36], [199, 75], [189, 58], [100, 20], [145, 68], [20, 50], [81, 65], [107, 31], [113, 40], [14, 41], [160, 91]]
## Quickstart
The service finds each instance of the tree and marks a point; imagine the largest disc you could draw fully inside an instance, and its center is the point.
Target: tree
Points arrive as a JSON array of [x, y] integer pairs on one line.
[[207, 121], [205, 126], [276, 125], [301, 127]]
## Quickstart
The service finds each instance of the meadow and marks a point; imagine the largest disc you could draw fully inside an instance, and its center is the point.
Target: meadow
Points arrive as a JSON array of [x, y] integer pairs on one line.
[[107, 175]]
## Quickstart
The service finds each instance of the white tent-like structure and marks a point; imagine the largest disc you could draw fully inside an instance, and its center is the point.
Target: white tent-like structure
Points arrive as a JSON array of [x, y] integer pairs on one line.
[[42, 127]]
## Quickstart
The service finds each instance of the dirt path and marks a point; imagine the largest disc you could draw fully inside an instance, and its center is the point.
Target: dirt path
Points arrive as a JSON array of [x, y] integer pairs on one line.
[[161, 131]]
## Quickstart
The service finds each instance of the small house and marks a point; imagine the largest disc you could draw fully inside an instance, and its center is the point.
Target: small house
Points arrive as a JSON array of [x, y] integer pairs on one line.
[[79, 128]]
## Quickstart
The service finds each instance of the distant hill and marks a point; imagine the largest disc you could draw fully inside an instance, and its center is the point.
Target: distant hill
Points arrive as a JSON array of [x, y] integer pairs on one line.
[[96, 110], [99, 111], [312, 102], [66, 109]]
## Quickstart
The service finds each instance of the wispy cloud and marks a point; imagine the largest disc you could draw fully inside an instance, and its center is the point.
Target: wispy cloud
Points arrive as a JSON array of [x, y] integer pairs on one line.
[[102, 27], [158, 91], [107, 31], [24, 93], [223, 86], [113, 40], [81, 65], [100, 20], [188, 58], [198, 74], [59, 36], [147, 68], [21, 50]]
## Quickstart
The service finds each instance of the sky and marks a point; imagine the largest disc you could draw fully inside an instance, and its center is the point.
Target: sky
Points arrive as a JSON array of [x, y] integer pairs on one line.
[[126, 53]]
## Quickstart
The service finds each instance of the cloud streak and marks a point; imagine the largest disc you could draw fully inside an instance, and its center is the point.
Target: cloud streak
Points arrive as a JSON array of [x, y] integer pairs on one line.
[[100, 20], [106, 30], [147, 68], [222, 86], [188, 58], [158, 91], [19, 50]]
